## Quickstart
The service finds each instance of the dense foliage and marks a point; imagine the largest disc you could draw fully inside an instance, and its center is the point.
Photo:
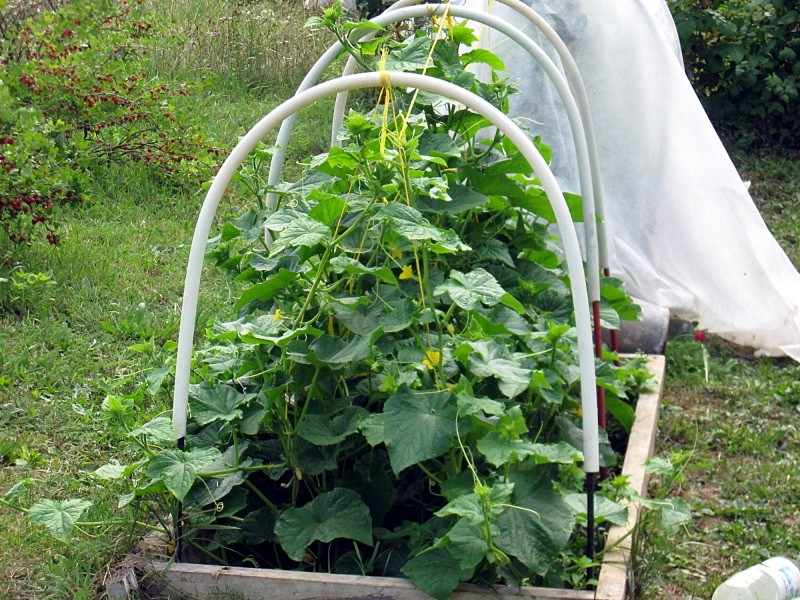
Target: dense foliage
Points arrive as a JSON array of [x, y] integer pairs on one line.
[[399, 392], [742, 58], [73, 97]]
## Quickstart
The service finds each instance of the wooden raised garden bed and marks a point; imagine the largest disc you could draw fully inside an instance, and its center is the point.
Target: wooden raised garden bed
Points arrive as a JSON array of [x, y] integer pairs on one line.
[[208, 581]]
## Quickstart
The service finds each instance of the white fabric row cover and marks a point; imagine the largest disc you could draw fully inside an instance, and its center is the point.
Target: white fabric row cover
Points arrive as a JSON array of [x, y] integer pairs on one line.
[[684, 233]]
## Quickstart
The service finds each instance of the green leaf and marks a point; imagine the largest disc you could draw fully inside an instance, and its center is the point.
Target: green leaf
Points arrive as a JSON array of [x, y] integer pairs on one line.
[[302, 231], [178, 470], [337, 514], [605, 510], [372, 428], [470, 405], [59, 517], [259, 526], [409, 223], [329, 210], [469, 290], [476, 508], [466, 544], [490, 359], [467, 507], [211, 402], [502, 321], [110, 471], [345, 264], [496, 250], [156, 431], [260, 329], [339, 162], [249, 224], [437, 144], [560, 453], [333, 352], [436, 572], [16, 490], [410, 57], [613, 292], [324, 430], [500, 450], [418, 426], [481, 55], [461, 200], [537, 531], [536, 201], [266, 290], [621, 411]]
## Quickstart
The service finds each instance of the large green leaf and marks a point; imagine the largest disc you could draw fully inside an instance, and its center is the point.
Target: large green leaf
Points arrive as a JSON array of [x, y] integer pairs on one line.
[[251, 329], [481, 55], [266, 290], [437, 144], [412, 56], [490, 359], [178, 470], [345, 264], [303, 231], [337, 514], [418, 426], [621, 411], [209, 402], [372, 428], [324, 430], [469, 290], [329, 210], [17, 490], [475, 508], [500, 450], [409, 223], [462, 199], [540, 527], [436, 572], [501, 321], [58, 516], [157, 431], [331, 351], [466, 544], [605, 510], [536, 201]]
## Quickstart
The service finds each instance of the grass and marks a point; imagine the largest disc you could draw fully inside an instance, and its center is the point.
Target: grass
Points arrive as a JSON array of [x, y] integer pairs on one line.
[[118, 274]]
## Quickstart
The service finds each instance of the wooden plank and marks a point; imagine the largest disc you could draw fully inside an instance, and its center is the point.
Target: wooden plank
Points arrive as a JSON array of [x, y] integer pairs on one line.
[[613, 579], [207, 581]]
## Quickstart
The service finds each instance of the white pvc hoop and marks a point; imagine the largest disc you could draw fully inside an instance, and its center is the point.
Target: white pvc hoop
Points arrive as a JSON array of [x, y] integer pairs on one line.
[[290, 107]]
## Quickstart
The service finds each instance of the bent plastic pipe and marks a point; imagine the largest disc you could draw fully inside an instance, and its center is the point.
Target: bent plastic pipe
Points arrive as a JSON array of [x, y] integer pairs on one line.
[[503, 123]]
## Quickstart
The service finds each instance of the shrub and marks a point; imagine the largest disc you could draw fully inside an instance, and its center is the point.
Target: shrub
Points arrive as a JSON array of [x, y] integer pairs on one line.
[[74, 97], [742, 59]]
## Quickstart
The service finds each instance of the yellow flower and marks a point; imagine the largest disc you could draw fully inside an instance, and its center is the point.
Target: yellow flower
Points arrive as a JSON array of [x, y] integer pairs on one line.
[[394, 252], [277, 316], [406, 272], [432, 358], [450, 329]]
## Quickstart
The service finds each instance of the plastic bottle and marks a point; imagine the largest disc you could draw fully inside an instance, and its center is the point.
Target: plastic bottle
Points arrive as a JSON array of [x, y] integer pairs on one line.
[[774, 579]]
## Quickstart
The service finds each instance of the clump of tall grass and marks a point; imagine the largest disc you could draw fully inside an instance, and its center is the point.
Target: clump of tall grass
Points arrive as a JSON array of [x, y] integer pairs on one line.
[[259, 44]]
